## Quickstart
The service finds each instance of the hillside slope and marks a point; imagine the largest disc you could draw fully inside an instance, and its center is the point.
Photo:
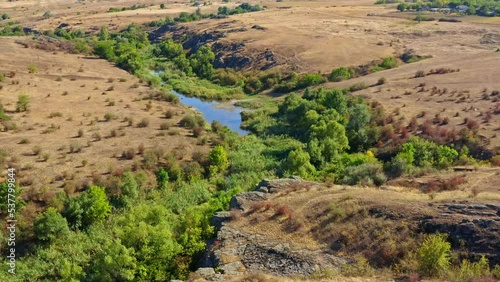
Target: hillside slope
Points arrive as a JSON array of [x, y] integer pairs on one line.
[[291, 228]]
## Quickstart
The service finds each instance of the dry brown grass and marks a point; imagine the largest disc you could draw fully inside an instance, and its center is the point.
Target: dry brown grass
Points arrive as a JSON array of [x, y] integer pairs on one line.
[[65, 131], [90, 14], [374, 223]]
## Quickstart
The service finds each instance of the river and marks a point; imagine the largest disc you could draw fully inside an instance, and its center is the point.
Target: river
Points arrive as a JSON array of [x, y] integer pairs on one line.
[[228, 115]]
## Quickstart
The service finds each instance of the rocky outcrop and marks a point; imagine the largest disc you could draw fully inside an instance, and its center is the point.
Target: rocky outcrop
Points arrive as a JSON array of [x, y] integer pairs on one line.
[[473, 230], [235, 252], [209, 274], [227, 54], [475, 227]]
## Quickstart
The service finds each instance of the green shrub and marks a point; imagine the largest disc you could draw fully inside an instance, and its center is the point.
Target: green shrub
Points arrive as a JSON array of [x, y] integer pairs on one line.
[[433, 256], [47, 15], [50, 225], [3, 116], [23, 103], [298, 163], [218, 159], [397, 167], [358, 86], [365, 174], [32, 68], [419, 73], [162, 179], [496, 271], [339, 74], [89, 207], [109, 116], [75, 147], [310, 80], [389, 63], [188, 121], [471, 271]]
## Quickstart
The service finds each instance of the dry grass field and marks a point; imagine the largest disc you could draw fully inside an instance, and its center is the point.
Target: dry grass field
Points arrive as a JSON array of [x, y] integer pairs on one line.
[[377, 223], [81, 103], [91, 15], [307, 205]]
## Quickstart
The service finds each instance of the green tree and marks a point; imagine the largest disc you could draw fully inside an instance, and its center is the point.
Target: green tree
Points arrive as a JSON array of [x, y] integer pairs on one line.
[[129, 191], [335, 99], [310, 80], [105, 49], [328, 140], [129, 187], [202, 61], [471, 10], [218, 159], [339, 74], [433, 256], [162, 179], [129, 58], [89, 207], [103, 34], [183, 64], [402, 7], [193, 228], [114, 262], [298, 163], [50, 225], [445, 156], [146, 230], [168, 48], [357, 131], [389, 63]]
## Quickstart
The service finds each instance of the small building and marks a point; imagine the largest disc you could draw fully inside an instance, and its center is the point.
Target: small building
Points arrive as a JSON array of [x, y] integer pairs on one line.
[[462, 8], [445, 10], [434, 9]]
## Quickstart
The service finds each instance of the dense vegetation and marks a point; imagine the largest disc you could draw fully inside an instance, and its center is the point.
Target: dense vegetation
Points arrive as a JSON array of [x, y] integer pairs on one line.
[[131, 8], [11, 28], [342, 138], [151, 222], [487, 8], [141, 227]]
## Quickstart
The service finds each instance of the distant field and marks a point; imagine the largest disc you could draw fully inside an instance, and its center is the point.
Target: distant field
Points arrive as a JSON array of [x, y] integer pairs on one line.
[[94, 14]]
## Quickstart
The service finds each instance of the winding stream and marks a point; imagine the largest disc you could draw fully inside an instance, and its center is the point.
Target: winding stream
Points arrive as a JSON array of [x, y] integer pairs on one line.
[[228, 115]]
